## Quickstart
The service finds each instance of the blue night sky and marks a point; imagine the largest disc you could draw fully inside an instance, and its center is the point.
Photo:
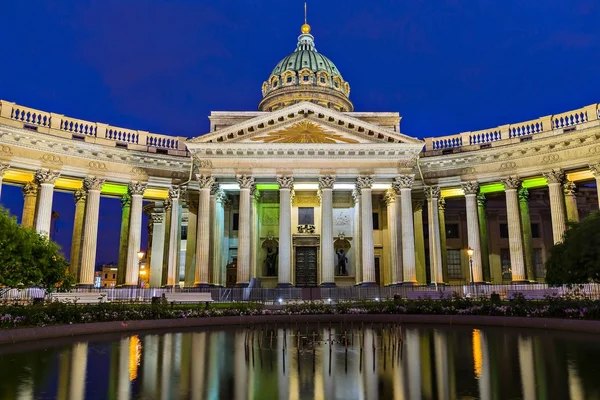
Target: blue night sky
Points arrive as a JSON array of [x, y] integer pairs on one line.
[[162, 66]]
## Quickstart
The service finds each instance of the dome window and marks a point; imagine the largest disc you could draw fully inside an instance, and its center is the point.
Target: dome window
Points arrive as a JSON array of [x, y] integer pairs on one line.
[[306, 78], [275, 84], [337, 85], [323, 80], [289, 79]]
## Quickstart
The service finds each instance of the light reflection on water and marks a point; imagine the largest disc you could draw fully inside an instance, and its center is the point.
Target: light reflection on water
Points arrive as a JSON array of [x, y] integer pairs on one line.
[[305, 362]]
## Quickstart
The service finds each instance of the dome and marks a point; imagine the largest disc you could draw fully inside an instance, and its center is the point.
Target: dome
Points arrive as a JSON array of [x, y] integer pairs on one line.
[[305, 75]]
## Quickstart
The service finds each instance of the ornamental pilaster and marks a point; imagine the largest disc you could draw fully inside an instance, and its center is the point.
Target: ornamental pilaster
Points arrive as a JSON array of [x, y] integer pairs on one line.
[[570, 190], [523, 195], [79, 195], [74, 268], [389, 196]]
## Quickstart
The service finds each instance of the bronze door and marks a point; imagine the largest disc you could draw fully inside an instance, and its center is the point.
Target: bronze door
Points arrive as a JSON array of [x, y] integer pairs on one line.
[[306, 266]]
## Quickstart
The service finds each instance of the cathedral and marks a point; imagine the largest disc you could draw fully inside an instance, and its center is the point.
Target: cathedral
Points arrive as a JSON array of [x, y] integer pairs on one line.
[[308, 192]]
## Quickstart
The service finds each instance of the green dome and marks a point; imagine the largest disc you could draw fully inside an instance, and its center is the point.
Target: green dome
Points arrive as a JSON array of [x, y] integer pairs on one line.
[[306, 58]]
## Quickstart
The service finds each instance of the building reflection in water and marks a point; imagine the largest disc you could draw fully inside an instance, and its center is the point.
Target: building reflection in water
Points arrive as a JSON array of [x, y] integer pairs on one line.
[[320, 362]]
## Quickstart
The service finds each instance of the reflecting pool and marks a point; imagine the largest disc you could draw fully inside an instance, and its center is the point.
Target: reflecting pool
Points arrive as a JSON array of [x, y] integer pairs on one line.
[[308, 361]]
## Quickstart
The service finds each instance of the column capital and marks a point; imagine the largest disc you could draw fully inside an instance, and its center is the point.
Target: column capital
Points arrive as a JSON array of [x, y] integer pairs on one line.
[[481, 199], [254, 192], [92, 183], [326, 182], [554, 176], [3, 169], [205, 181], [470, 187], [285, 182], [167, 203], [595, 168], [364, 182], [403, 182], [30, 189], [570, 188], [417, 205], [442, 203], [214, 188], [137, 188], [176, 192], [523, 194], [390, 196], [125, 200], [157, 218], [432, 192], [192, 205], [355, 195], [245, 181], [511, 183], [44, 175], [220, 196], [79, 195]]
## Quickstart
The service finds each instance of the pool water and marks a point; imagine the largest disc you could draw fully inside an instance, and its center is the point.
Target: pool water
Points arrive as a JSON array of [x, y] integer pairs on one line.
[[307, 362]]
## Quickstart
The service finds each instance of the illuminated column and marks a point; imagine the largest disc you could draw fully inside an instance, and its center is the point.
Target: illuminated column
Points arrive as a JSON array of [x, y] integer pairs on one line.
[[442, 217], [125, 212], [167, 232], [440, 345], [45, 180], [526, 227], [482, 364], [327, 251], [392, 200], [356, 242], [471, 189], [172, 266], [517, 265], [167, 366], [419, 235], [555, 179], [190, 248], [124, 385], [435, 244], [136, 191], [285, 230], [158, 247], [370, 364], [75, 259], [595, 168], [226, 234], [240, 367], [483, 237], [202, 273], [150, 364], [92, 186], [78, 371], [364, 184], [571, 201], [576, 388], [527, 367], [413, 362], [403, 184], [243, 260], [3, 169], [30, 191], [199, 362], [254, 197], [218, 232]]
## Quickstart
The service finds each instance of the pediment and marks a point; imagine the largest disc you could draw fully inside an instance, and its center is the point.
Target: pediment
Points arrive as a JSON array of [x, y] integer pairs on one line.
[[305, 123]]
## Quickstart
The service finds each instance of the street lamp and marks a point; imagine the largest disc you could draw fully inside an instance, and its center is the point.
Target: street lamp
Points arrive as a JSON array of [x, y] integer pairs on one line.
[[470, 253], [140, 255]]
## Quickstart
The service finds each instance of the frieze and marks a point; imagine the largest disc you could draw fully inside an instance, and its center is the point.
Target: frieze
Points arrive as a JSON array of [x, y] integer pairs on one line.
[[402, 164], [51, 158], [203, 164], [302, 199], [139, 171], [5, 150], [508, 165], [549, 159], [97, 165]]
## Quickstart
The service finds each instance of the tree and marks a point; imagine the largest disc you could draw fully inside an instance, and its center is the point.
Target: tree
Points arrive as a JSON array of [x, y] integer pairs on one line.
[[577, 259], [28, 258]]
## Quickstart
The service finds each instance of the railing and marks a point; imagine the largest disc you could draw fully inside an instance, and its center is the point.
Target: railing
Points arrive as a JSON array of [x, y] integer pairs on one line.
[[57, 122], [287, 295], [511, 131]]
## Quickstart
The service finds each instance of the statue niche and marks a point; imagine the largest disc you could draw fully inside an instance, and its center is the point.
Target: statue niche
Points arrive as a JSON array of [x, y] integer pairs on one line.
[[271, 246], [341, 247]]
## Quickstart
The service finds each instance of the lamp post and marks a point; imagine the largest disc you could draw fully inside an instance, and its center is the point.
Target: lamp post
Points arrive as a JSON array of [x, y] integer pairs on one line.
[[470, 253], [140, 255]]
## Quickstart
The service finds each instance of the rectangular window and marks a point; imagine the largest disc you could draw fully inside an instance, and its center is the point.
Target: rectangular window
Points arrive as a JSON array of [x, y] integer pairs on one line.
[[503, 231], [306, 216], [184, 232], [289, 79], [452, 231], [114, 276], [306, 78], [236, 221], [538, 263], [105, 276], [376, 221], [505, 262], [535, 231], [454, 267]]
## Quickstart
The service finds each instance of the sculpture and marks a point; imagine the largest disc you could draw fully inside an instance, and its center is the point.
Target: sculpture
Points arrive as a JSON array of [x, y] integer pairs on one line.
[[271, 261], [342, 262]]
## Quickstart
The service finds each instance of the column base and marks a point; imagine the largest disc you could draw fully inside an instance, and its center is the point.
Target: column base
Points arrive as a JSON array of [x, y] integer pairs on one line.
[[129, 286], [242, 285], [85, 286], [201, 285], [398, 284], [523, 282], [369, 284], [284, 285], [410, 284], [327, 284]]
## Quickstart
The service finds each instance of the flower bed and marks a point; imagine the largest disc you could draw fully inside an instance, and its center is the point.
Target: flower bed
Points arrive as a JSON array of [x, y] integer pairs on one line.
[[17, 316]]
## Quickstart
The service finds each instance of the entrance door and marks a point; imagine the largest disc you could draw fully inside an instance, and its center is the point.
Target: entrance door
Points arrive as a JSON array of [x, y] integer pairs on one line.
[[306, 266]]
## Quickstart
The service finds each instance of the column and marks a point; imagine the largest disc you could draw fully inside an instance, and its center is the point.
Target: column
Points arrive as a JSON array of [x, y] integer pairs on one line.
[[356, 242], [45, 180], [555, 179], [164, 274], [226, 237], [77, 378], [364, 184], [92, 185], [595, 168], [243, 260], [327, 251], [444, 246], [124, 237], [158, 247], [201, 276], [435, 242], [570, 190], [217, 233], [483, 237], [75, 259], [136, 191], [30, 191], [285, 230], [3, 169], [392, 199], [471, 189], [174, 229], [517, 264], [527, 238], [254, 196], [190, 248], [419, 235], [403, 183]]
